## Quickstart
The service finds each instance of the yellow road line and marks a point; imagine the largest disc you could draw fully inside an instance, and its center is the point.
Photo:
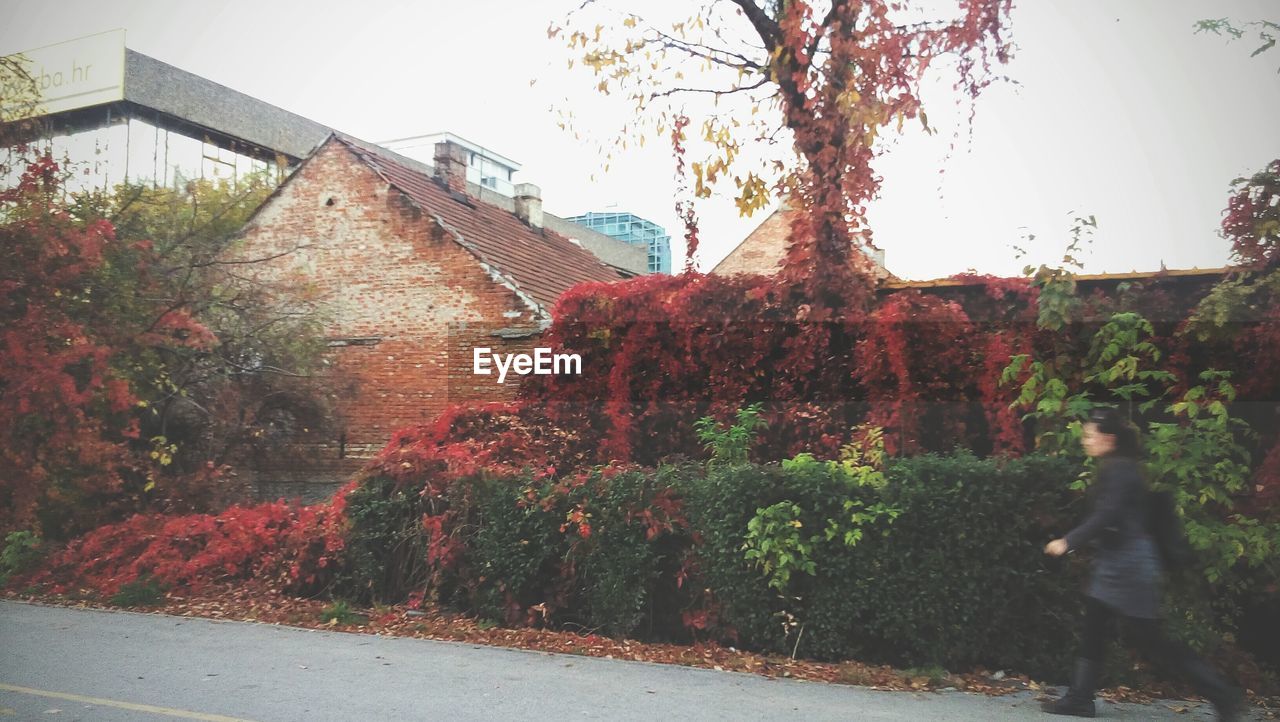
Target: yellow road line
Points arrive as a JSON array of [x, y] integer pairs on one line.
[[184, 714]]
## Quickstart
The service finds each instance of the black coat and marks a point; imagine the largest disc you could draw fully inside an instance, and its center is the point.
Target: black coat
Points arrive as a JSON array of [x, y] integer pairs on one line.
[[1126, 567]]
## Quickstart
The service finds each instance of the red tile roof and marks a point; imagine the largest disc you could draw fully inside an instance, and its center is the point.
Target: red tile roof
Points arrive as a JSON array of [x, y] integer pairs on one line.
[[539, 263]]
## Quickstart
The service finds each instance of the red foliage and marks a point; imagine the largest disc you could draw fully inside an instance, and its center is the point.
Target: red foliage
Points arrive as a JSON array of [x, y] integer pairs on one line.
[[1266, 481], [295, 547], [1005, 320], [660, 352], [1252, 218], [64, 421], [504, 437], [70, 439], [915, 362]]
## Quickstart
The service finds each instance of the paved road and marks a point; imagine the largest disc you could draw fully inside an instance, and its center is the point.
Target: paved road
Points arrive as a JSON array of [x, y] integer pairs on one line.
[[66, 664]]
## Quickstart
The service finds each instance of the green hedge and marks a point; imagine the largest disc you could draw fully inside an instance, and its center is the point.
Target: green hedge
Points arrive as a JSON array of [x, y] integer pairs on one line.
[[957, 579], [954, 577]]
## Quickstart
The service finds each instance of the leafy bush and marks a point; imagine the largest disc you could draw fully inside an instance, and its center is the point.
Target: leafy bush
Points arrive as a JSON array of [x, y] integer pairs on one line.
[[960, 579], [1196, 449], [142, 592], [385, 553], [136, 367], [516, 552], [22, 549], [340, 612], [927, 561], [593, 551], [954, 576]]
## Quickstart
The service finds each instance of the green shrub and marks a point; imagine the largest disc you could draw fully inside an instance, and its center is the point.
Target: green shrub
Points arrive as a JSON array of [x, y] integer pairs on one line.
[[385, 549], [340, 612], [515, 553], [628, 565], [958, 578], [22, 549], [142, 592], [719, 505], [599, 551], [961, 578]]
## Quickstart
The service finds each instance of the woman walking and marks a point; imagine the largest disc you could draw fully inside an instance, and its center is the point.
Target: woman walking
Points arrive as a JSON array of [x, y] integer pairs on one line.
[[1125, 578]]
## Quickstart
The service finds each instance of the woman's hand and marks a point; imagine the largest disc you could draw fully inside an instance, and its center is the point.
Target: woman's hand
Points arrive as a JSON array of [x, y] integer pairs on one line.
[[1056, 548]]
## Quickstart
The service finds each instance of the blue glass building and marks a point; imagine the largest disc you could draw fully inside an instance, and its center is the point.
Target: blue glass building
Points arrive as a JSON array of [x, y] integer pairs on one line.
[[634, 230]]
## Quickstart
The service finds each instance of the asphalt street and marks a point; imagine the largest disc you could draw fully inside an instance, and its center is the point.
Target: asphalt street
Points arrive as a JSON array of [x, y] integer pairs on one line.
[[70, 664]]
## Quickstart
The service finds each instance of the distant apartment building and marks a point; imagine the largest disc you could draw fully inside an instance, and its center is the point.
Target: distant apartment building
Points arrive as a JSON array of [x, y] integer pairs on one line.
[[634, 230], [485, 168]]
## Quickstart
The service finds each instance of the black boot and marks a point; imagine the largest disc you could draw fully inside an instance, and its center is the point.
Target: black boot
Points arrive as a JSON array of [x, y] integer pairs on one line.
[[1227, 700], [1078, 701]]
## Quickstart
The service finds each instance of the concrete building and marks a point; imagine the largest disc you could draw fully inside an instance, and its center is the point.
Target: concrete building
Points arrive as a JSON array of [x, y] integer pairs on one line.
[[120, 115]]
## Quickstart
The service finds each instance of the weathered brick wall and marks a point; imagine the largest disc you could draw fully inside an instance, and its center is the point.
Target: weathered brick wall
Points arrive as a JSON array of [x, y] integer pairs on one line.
[[761, 251], [381, 269]]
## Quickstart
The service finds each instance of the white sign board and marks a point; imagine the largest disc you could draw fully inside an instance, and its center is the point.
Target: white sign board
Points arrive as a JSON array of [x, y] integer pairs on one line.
[[75, 74]]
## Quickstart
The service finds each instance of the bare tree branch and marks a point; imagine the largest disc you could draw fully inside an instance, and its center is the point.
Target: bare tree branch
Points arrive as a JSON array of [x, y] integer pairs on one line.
[[249, 261], [714, 91], [692, 48]]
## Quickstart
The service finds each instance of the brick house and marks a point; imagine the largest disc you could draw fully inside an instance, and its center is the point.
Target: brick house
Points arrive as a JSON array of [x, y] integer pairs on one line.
[[411, 274], [764, 248]]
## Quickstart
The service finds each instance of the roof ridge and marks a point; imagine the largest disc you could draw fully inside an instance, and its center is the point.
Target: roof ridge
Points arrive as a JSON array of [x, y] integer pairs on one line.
[[416, 166], [489, 266]]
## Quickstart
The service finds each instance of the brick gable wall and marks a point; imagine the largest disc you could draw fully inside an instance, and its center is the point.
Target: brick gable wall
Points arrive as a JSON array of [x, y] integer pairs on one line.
[[764, 249], [761, 251], [381, 269]]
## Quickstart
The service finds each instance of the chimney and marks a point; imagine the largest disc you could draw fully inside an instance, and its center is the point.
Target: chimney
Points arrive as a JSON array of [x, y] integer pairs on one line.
[[529, 204], [451, 165]]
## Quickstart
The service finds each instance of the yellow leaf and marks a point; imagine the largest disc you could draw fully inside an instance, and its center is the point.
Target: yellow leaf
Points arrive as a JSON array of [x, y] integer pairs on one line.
[[630, 22]]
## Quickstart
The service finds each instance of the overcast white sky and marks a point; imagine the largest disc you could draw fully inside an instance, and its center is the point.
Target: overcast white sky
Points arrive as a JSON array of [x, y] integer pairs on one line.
[[1121, 112]]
